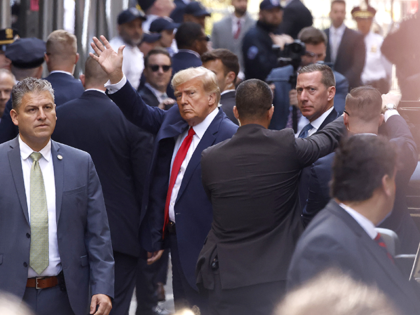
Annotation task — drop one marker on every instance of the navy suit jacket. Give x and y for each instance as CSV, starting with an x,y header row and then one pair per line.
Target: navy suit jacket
x,y
228,101
121,153
335,240
399,221
84,241
193,210
280,78
148,97
296,17
65,89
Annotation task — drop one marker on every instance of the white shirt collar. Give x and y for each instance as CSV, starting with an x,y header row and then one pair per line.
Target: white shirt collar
x,y
365,223
97,90
340,30
201,128
318,122
60,71
190,51
227,91
26,151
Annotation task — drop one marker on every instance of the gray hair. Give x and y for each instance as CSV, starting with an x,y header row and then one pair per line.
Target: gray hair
x,y
29,85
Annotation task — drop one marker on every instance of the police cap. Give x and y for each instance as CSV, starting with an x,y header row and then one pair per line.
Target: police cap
x,y
26,53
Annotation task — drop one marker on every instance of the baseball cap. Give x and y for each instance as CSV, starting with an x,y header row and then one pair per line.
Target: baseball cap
x,y
270,4
129,15
196,8
162,24
150,38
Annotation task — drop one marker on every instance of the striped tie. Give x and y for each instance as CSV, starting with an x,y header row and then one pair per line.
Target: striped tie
x,y
379,240
39,256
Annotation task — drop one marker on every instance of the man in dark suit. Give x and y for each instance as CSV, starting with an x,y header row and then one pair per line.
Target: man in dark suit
x,y
93,123
286,114
363,114
252,181
296,17
343,235
229,32
158,73
61,57
346,48
54,233
225,65
177,206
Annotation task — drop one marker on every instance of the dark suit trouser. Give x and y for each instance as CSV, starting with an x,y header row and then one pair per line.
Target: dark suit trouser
x,y
48,301
125,280
184,294
259,299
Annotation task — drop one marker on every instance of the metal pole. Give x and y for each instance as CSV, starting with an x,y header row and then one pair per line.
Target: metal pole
x,y
5,14
46,13
58,22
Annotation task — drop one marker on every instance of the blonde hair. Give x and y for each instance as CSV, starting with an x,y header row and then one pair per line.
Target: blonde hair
x,y
60,46
207,77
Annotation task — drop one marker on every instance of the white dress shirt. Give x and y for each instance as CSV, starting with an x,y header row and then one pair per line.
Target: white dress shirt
x,y
303,121
366,224
161,96
336,34
133,61
47,169
376,66
199,129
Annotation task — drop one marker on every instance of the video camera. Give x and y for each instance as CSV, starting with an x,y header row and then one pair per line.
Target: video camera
x,y
291,54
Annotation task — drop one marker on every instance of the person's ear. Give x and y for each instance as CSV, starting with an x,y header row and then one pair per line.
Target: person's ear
x,y
388,184
82,79
346,120
331,93
230,78
212,99
77,58
46,58
14,116
270,113
235,112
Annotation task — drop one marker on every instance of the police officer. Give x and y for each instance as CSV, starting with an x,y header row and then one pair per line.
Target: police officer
x,y
7,36
378,70
259,57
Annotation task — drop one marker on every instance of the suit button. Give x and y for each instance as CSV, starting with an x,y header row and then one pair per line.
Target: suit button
x,y
28,235
25,264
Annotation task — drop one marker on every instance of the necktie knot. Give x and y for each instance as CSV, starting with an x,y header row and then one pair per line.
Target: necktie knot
x,y
35,156
305,131
191,132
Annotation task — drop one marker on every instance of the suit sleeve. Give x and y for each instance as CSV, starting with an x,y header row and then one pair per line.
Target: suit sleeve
x,y
136,110
204,172
215,37
98,238
359,56
8,130
321,254
320,144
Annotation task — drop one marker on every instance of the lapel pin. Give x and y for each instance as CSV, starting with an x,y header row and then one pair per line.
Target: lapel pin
x,y
60,157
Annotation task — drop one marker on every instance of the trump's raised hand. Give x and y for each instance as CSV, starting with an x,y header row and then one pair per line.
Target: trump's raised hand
x,y
110,61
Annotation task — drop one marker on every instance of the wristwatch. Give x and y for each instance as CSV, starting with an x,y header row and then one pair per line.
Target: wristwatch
x,y
390,106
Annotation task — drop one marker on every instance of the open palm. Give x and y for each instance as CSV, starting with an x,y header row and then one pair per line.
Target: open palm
x,y
110,61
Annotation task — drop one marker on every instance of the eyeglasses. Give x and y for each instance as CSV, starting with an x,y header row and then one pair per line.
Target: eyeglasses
x,y
155,68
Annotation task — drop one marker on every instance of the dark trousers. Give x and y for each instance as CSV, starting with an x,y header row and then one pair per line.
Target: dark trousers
x,y
48,301
184,294
125,280
259,299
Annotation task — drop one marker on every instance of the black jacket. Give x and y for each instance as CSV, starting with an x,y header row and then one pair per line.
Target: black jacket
x,y
296,16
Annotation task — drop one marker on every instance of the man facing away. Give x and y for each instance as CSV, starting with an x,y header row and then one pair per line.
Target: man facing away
x,y
54,236
7,81
343,235
177,206
251,180
346,48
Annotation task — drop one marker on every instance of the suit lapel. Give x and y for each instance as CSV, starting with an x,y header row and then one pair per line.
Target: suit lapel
x,y
208,139
342,48
16,168
58,176
332,116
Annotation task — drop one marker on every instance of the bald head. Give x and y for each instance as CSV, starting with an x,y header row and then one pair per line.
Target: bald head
x,y
94,76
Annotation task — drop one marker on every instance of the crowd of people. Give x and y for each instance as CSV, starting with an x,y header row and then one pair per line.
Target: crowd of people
x,y
260,161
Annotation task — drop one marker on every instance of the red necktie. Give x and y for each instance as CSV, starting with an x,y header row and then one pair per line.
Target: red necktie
x,y
378,239
238,30
176,166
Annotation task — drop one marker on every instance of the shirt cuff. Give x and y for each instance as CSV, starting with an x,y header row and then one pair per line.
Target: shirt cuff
x,y
389,113
113,88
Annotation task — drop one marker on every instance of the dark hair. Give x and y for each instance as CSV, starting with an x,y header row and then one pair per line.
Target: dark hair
x,y
364,102
187,33
328,78
94,74
312,36
338,1
156,51
359,165
229,60
253,99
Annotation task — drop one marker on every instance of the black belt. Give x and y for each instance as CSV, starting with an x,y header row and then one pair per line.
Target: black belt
x,y
171,227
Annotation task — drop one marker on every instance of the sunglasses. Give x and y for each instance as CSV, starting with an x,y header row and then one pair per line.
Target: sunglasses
x,y
206,38
155,68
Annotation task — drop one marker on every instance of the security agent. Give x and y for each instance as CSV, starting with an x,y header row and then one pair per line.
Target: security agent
x,y
7,36
27,57
165,27
196,12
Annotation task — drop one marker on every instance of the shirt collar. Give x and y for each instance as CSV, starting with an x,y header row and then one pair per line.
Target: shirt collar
x,y
235,18
364,222
201,128
190,51
157,93
318,122
60,71
97,90
26,151
340,29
